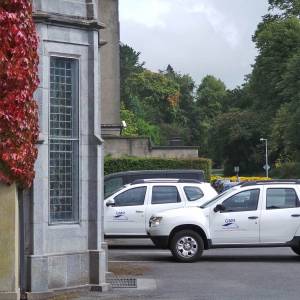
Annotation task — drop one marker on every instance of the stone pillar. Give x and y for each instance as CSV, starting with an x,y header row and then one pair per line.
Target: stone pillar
x,y
9,243
110,67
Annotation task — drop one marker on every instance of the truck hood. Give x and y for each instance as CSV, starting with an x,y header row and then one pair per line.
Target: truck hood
x,y
183,211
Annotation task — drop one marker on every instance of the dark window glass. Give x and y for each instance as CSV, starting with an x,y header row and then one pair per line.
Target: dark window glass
x,y
132,197
193,193
281,198
112,185
243,201
165,194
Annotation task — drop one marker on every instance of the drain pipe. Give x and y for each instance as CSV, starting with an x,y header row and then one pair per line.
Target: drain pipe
x,y
22,246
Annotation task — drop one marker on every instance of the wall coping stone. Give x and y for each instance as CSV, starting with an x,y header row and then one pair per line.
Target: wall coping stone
x,y
151,146
67,21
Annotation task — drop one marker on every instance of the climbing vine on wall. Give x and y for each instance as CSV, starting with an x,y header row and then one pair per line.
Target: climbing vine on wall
x,y
18,81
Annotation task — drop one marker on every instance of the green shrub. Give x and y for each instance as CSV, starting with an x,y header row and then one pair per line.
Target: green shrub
x,y
113,165
286,170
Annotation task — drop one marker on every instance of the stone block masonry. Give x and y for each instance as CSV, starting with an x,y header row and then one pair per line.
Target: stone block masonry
x,y
9,243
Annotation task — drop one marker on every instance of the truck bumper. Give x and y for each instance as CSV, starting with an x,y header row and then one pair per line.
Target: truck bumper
x,y
161,242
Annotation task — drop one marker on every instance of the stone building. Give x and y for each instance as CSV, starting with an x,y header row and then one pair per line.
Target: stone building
x,y
64,245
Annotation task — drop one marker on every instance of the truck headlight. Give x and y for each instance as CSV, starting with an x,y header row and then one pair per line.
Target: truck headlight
x,y
154,221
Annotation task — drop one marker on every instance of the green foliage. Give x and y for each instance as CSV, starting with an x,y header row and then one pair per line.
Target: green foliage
x,y
210,99
131,122
112,165
235,139
129,64
287,7
286,170
157,94
277,41
227,124
139,127
210,95
156,100
185,113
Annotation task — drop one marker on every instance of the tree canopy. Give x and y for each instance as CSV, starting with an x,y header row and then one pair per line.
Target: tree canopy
x,y
227,124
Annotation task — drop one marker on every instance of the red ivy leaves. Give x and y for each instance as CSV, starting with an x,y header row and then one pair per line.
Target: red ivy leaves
x,y
18,81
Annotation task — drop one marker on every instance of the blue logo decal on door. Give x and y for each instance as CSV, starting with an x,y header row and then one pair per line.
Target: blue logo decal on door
x,y
230,224
120,215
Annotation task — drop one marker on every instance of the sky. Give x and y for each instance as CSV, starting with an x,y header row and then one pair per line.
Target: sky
x,y
196,37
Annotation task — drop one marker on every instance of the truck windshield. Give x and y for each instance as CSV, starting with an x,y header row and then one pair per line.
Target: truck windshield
x,y
115,191
215,199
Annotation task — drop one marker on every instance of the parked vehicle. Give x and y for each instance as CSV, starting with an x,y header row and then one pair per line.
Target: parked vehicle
x,y
252,214
127,212
221,185
113,182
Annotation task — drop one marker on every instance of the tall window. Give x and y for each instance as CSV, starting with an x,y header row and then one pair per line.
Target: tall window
x,y
63,140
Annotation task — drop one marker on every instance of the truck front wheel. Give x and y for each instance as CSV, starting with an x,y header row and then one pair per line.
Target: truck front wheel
x,y
186,246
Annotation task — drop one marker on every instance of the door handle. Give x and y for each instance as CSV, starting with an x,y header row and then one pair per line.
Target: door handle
x,y
295,215
139,211
253,218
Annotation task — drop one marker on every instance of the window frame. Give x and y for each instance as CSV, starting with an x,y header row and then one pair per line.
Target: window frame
x,y
281,188
195,187
75,138
130,189
162,186
250,190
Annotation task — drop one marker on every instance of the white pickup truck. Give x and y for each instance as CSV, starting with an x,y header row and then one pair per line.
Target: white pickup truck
x,y
127,211
257,214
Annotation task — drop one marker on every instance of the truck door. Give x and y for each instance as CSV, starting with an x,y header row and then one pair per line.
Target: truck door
x,y
280,217
239,222
127,216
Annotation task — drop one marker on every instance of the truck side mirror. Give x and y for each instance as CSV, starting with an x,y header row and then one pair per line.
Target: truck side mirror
x,y
110,202
219,207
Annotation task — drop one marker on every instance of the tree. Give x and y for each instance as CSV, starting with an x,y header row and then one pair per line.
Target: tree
x,y
186,104
157,96
277,42
129,66
287,7
210,100
18,81
139,127
235,139
210,96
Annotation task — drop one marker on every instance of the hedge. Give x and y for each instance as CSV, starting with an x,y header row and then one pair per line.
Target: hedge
x,y
286,170
113,165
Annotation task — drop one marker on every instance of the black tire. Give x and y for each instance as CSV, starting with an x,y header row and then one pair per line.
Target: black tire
x,y
296,250
186,246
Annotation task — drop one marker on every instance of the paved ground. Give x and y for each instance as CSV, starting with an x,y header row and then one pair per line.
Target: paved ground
x,y
270,273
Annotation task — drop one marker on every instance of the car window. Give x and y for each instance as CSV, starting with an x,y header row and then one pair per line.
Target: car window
x,y
134,196
112,185
243,201
193,193
281,198
165,194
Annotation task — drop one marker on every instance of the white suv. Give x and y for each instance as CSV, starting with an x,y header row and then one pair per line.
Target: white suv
x,y
127,212
252,214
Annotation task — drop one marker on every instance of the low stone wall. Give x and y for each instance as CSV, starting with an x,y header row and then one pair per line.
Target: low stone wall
x,y
141,147
9,242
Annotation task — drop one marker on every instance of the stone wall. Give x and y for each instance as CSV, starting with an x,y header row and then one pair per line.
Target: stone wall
x,y
67,7
9,243
141,147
